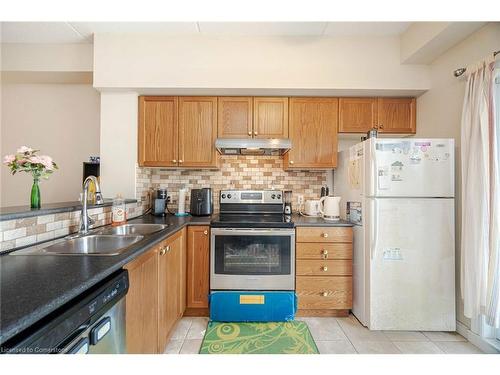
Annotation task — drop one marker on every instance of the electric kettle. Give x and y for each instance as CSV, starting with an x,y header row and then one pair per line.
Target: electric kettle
x,y
329,208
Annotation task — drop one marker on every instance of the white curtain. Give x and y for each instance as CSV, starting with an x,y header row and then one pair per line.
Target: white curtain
x,y
480,140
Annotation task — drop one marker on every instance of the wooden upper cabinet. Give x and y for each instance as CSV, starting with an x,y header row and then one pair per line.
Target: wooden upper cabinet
x,y
313,132
158,137
197,131
270,117
357,115
234,119
198,266
397,115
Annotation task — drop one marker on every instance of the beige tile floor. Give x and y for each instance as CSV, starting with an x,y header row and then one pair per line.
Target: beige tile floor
x,y
341,336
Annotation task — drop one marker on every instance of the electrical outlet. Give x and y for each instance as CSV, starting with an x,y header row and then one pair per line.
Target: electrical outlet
x,y
300,199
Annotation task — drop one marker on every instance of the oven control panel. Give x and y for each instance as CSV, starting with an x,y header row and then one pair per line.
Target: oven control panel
x,y
251,196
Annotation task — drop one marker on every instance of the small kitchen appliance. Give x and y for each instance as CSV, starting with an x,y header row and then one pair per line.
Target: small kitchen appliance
x,y
201,202
311,208
287,196
160,202
181,204
329,208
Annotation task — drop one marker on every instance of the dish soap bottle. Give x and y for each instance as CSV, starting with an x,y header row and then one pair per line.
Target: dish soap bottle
x,y
119,213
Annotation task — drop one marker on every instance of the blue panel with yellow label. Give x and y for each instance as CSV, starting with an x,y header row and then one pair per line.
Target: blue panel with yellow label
x,y
265,306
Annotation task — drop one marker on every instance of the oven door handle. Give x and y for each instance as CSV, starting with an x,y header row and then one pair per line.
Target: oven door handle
x,y
251,232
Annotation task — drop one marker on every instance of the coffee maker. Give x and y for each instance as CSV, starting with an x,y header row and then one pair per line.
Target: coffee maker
x,y
159,203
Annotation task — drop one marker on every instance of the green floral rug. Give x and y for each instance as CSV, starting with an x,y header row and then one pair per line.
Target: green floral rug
x,y
258,338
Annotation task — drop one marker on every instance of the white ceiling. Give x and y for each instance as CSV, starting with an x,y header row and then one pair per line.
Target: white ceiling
x,y
82,32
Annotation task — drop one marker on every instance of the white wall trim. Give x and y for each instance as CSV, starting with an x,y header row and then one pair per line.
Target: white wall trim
x,y
486,345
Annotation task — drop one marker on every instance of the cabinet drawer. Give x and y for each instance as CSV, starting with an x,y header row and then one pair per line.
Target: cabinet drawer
x,y
324,234
324,267
315,292
315,250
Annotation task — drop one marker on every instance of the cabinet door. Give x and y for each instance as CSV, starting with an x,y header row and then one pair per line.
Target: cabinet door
x,y
313,132
170,286
197,131
158,136
142,304
357,115
397,115
198,246
270,118
234,119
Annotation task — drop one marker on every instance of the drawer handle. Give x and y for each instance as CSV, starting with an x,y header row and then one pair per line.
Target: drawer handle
x,y
325,254
325,235
205,232
324,294
324,268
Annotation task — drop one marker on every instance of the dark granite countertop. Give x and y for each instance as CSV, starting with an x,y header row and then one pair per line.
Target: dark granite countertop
x,y
19,212
305,221
33,286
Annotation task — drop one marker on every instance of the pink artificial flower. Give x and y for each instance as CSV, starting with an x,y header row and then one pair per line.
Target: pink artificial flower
x,y
9,159
24,149
46,161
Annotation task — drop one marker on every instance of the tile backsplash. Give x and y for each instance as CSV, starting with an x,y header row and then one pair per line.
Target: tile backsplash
x,y
236,172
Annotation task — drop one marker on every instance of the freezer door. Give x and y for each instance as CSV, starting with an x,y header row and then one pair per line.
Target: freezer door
x,y
402,167
412,264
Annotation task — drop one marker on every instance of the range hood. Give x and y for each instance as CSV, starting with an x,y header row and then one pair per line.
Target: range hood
x,y
251,146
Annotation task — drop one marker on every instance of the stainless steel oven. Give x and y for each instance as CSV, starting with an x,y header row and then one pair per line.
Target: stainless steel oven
x,y
252,259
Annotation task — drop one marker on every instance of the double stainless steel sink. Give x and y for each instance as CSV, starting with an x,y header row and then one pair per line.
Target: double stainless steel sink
x,y
103,241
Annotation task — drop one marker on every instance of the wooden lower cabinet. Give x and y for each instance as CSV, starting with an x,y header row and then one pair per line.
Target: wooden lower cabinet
x,y
157,295
324,271
198,269
171,286
318,292
142,304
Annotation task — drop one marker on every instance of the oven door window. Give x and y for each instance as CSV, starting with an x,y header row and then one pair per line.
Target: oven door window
x,y
252,255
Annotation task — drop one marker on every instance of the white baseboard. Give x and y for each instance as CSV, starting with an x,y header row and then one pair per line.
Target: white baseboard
x,y
486,345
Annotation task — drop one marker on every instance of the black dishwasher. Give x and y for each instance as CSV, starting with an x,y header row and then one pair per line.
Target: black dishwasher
x,y
92,323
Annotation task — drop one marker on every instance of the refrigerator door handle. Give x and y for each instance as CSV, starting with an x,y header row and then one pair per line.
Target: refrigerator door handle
x,y
374,237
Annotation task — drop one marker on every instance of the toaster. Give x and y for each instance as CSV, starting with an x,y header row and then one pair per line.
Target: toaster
x,y
201,202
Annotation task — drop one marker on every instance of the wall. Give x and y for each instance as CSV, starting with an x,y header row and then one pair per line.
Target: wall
x,y
236,172
123,61
118,144
439,110
60,120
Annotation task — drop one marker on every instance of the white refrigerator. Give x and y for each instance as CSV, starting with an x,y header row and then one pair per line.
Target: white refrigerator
x,y
399,193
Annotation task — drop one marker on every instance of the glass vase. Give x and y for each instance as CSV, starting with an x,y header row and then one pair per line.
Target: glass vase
x,y
35,194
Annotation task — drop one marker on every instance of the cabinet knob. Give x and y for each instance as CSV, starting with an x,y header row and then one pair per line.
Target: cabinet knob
x,y
381,126
249,133
324,268
255,133
325,254
325,235
324,294
291,161
163,251
181,161
167,249
174,161
205,232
